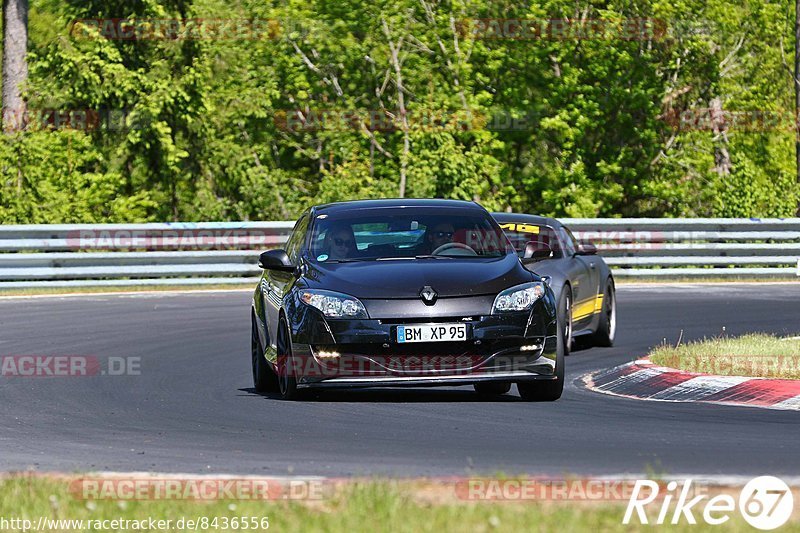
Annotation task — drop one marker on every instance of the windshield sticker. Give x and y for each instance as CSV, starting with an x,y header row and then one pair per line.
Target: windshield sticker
x,y
523,228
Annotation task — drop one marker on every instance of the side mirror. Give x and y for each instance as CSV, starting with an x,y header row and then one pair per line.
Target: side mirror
x,y
587,248
536,251
275,260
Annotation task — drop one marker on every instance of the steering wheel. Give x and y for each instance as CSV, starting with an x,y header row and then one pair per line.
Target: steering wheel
x,y
463,249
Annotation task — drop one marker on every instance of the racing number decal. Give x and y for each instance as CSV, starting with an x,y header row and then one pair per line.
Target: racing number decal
x,y
523,228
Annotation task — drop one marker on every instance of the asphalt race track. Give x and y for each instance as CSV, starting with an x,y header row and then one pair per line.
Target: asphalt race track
x,y
192,408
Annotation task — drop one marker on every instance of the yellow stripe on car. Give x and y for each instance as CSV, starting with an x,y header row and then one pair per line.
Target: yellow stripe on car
x,y
587,307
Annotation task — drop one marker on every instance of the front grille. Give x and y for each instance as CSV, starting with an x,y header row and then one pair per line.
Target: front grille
x,y
431,349
431,320
424,358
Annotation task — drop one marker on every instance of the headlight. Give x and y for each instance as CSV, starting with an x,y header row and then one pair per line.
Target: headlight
x,y
519,298
334,304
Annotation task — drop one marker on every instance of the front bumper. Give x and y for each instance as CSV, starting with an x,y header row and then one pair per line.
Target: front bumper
x,y
424,381
365,353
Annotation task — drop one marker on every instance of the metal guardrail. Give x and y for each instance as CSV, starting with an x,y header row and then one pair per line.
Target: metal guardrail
x,y
716,247
227,252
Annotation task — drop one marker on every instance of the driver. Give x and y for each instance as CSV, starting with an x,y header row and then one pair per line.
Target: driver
x,y
340,243
439,235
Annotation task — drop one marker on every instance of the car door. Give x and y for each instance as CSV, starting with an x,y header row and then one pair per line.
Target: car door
x,y
276,283
584,280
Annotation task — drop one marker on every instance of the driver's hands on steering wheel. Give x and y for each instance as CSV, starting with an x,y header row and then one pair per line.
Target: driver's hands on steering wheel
x,y
463,249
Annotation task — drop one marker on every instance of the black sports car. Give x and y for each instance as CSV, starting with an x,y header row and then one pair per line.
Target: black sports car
x,y
403,292
581,280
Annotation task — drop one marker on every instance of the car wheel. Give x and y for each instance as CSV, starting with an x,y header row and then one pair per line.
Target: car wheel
x,y
607,327
264,379
550,390
287,382
565,311
494,388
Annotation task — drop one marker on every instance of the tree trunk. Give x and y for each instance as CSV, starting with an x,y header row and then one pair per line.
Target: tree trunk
x,y
796,85
722,159
15,66
394,49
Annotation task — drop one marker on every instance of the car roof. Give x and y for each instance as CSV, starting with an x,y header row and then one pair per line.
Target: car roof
x,y
528,219
394,202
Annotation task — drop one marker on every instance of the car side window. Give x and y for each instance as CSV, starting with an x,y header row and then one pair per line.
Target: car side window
x,y
520,234
570,246
572,238
295,242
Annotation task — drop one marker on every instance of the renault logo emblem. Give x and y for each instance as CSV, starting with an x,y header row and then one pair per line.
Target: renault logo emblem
x,y
428,295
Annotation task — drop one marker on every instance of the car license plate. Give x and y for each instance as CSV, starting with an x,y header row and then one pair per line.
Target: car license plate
x,y
432,333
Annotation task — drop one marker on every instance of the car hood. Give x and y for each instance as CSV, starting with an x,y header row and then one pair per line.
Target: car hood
x,y
406,278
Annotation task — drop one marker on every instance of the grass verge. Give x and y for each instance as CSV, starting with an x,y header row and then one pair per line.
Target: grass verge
x,y
371,505
632,280
59,291
755,355
40,291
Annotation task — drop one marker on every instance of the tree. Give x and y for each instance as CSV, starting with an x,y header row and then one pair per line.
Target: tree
x,y
796,85
15,66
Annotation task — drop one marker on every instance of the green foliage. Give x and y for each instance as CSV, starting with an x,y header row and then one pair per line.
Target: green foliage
x,y
309,110
52,178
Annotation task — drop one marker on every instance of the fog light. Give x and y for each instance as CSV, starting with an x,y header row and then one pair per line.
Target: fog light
x,y
529,348
327,355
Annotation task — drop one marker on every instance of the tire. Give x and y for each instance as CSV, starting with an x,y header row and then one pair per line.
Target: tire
x,y
607,326
550,390
565,312
492,388
287,382
264,379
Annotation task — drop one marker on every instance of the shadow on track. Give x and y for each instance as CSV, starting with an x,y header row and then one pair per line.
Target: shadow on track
x,y
385,395
580,344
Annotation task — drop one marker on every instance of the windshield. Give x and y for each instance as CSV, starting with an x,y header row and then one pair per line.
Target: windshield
x,y
406,233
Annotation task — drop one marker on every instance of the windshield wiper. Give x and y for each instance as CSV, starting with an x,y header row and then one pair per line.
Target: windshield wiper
x,y
457,256
351,260
410,258
402,258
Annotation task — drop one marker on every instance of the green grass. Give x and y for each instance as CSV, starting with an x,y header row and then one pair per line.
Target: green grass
x,y
755,355
122,288
359,506
238,286
623,280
